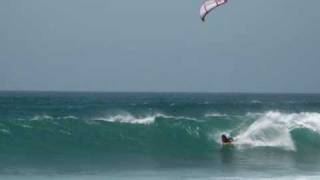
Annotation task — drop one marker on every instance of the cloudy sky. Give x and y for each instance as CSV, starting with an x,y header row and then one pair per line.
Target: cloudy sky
x,y
149,45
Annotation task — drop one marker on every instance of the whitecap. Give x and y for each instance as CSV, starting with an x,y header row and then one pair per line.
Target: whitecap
x,y
65,132
5,131
25,126
128,118
69,117
256,102
178,117
145,119
214,114
41,117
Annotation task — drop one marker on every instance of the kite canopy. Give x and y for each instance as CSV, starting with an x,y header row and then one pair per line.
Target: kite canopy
x,y
208,6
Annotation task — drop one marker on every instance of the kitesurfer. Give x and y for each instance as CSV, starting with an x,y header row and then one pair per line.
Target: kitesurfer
x,y
226,139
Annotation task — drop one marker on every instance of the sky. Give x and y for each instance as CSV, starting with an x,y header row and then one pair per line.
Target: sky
x,y
160,46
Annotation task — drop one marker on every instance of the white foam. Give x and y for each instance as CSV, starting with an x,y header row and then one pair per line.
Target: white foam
x,y
178,117
41,117
5,131
128,118
215,115
272,129
65,132
47,117
68,117
147,119
25,126
255,102
206,102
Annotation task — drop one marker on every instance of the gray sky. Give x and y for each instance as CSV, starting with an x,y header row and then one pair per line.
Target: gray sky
x,y
149,45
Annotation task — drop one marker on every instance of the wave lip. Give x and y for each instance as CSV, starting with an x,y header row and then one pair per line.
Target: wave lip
x,y
305,120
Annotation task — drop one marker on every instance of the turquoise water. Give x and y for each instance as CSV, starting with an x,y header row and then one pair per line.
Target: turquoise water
x,y
65,135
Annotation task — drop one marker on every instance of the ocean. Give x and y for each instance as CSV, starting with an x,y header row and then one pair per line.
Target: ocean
x,y
92,135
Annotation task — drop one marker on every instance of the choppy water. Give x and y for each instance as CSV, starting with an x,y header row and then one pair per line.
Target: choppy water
x,y
158,135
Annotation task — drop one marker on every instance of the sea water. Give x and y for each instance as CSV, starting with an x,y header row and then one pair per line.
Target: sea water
x,y
87,135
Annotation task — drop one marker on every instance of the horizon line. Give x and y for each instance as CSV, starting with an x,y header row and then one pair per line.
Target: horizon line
x,y
157,92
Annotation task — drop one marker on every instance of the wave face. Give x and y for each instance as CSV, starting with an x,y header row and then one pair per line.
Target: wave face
x,y
157,124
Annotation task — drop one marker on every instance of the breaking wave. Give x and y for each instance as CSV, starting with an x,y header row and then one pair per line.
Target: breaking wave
x,y
144,119
47,117
275,129
162,133
129,118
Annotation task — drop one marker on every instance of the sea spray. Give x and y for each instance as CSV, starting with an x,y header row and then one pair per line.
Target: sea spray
x,y
266,131
273,129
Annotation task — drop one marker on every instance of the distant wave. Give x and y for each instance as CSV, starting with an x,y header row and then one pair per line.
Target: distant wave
x,y
256,102
47,117
129,118
146,119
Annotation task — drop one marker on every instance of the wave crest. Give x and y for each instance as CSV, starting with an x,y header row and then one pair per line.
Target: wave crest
x,y
208,115
146,119
129,118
